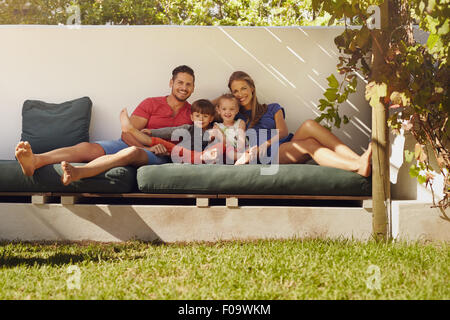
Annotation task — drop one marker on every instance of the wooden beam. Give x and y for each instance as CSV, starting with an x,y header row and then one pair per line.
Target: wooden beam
x,y
291,197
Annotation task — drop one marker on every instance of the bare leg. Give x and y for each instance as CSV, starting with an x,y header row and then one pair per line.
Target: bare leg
x,y
297,151
81,152
311,129
127,127
130,156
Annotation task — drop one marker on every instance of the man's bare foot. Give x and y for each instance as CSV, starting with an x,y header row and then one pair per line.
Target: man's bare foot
x,y
365,166
69,173
125,121
26,158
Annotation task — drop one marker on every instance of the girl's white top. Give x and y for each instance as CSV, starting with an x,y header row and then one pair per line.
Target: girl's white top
x,y
231,133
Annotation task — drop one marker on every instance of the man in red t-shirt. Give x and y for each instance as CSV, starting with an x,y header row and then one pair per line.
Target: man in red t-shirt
x,y
152,113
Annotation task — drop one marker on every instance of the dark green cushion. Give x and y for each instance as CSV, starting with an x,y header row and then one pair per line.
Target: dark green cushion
x,y
48,126
48,179
295,179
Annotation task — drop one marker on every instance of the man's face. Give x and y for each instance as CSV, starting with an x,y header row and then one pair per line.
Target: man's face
x,y
182,86
201,120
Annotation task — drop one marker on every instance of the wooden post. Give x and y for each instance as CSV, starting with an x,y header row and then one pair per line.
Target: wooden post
x,y
381,193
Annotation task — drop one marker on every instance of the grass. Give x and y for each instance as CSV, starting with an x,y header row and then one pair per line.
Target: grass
x,y
266,269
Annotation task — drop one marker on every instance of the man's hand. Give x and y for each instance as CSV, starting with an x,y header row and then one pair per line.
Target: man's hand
x,y
159,150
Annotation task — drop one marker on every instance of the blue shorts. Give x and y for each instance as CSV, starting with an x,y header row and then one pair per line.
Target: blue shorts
x,y
114,146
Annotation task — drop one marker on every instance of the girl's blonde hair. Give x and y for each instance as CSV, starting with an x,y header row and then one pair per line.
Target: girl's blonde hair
x,y
257,109
225,96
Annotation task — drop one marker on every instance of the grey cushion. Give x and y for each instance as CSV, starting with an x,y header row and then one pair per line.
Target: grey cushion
x,y
295,179
48,126
48,179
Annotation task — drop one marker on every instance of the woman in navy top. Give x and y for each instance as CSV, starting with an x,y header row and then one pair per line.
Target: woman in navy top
x,y
311,140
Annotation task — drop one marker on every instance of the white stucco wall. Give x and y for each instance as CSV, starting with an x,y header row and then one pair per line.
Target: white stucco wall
x,y
120,66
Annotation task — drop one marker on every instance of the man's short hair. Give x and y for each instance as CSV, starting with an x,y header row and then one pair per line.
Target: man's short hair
x,y
184,69
203,106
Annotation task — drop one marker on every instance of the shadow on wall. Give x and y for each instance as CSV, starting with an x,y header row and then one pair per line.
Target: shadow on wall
x,y
122,222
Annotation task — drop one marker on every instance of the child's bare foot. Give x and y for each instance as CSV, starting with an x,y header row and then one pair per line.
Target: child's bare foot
x,y
26,158
365,167
69,173
209,155
125,121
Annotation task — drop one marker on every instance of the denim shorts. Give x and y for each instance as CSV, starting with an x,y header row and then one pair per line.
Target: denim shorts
x,y
114,146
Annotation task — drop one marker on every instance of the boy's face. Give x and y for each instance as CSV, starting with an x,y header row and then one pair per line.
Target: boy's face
x,y
201,120
228,109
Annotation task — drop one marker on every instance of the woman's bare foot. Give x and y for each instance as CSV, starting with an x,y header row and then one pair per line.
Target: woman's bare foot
x,y
125,121
365,166
26,158
69,173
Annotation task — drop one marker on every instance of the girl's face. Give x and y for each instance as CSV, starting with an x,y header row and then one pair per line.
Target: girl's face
x,y
227,110
243,92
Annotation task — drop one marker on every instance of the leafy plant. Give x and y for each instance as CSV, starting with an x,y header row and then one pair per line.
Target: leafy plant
x,y
163,12
412,79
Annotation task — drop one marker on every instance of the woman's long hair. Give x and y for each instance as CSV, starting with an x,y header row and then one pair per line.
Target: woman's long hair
x,y
257,109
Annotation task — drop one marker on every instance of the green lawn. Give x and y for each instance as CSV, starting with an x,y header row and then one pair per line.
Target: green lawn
x,y
269,269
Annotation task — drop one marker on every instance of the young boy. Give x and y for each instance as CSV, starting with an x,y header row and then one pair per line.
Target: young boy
x,y
193,151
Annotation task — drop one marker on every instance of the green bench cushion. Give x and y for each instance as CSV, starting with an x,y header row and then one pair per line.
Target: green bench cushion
x,y
296,179
47,179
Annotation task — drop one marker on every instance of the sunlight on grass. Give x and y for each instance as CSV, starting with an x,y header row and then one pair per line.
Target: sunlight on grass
x,y
269,269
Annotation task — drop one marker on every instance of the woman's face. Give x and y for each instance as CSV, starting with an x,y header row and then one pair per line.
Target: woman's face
x,y
243,92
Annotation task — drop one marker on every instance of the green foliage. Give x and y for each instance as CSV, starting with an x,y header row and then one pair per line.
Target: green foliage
x,y
164,12
411,78
334,97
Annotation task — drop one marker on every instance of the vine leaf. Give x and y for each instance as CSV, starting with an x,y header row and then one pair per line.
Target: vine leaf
x,y
332,82
375,91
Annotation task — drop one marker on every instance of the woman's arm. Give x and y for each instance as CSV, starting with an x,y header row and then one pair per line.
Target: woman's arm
x,y
281,126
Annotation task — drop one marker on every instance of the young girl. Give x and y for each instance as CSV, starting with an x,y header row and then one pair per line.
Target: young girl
x,y
231,132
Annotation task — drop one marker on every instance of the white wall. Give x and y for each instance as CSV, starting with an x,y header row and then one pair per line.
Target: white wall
x,y
120,66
